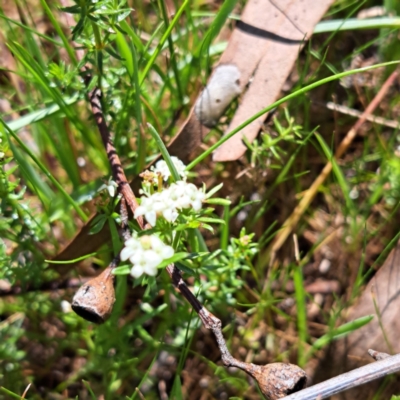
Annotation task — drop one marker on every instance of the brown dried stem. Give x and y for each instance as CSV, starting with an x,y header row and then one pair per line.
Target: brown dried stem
x,y
115,162
377,355
357,377
275,380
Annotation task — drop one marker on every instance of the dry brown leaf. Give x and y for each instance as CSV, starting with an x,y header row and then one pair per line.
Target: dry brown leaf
x,y
289,24
384,290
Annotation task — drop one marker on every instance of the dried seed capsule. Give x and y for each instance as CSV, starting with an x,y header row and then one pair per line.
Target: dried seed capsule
x,y
95,299
278,380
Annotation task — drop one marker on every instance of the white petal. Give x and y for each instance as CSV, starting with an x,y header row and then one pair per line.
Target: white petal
x,y
158,206
156,243
138,258
126,253
196,205
200,195
151,217
111,190
152,271
132,243
136,271
170,214
141,210
152,258
167,252
183,202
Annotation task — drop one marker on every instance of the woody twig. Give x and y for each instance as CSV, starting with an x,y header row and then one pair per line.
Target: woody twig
x,y
115,162
385,365
275,380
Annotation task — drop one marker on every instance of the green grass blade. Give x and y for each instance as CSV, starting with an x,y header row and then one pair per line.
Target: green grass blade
x,y
29,29
10,393
172,53
338,174
220,19
146,51
341,331
33,179
87,386
37,116
44,84
75,260
225,228
164,153
162,41
330,25
47,173
133,397
303,90
355,23
134,37
57,27
125,52
301,313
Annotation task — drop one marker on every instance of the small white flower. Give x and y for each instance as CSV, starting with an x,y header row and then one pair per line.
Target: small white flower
x,y
131,247
170,214
160,248
137,258
146,254
180,195
161,167
197,200
137,271
111,187
152,258
146,208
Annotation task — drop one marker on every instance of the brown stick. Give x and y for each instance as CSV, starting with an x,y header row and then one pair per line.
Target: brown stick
x,y
115,162
357,377
275,380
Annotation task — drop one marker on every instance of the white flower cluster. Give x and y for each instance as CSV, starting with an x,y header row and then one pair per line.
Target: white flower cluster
x,y
145,253
178,196
161,168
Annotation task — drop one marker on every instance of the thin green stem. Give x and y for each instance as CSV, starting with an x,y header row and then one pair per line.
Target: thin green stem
x,y
172,53
162,41
57,27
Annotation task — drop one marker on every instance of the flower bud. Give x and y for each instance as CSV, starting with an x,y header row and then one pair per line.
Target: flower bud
x,y
95,299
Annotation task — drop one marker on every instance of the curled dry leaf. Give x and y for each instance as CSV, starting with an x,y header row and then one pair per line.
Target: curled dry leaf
x,y
95,299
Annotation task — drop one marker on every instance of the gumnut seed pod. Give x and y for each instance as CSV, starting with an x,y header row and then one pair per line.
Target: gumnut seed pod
x,y
95,299
277,380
